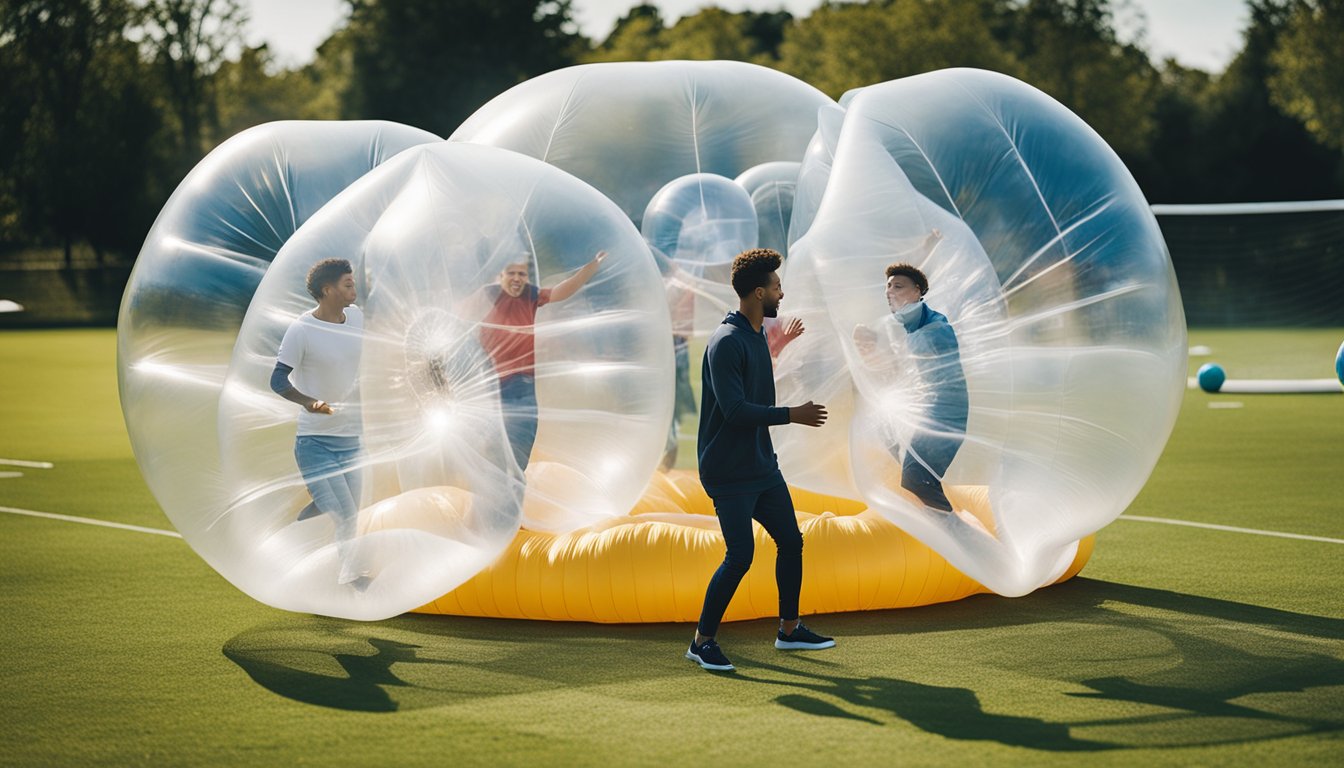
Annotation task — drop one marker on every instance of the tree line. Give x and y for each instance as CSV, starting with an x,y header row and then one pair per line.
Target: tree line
x,y
107,104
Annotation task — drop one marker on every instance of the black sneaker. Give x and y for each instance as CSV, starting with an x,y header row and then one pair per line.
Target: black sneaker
x,y
709,655
802,639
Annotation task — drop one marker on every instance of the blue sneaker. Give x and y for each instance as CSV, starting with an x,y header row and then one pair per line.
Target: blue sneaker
x,y
802,639
709,655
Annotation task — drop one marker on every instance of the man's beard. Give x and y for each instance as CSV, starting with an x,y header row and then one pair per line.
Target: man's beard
x,y
771,310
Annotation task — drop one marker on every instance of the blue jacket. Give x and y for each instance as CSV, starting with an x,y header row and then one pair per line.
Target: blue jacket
x,y
737,409
937,355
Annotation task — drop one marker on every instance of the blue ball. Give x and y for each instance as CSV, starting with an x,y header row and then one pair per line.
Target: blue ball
x,y
1211,377
1339,363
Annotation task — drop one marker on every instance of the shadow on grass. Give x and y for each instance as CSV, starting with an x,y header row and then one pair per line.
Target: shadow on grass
x,y
1135,667
951,712
439,660
1200,671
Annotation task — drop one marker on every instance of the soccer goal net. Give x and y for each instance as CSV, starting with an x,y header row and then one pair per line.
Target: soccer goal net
x,y
1258,264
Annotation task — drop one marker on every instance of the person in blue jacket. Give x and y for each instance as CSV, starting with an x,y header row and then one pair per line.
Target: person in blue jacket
x,y
932,347
738,467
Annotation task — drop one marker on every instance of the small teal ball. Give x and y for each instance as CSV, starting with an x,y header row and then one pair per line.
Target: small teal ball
x,y
1211,377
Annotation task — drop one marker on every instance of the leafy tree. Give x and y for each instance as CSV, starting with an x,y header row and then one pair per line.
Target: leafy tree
x,y
1175,170
251,91
710,34
637,36
844,46
1069,49
1256,151
431,64
188,41
1309,59
75,113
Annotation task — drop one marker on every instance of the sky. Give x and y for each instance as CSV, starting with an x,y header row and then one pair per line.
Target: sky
x,y
1197,33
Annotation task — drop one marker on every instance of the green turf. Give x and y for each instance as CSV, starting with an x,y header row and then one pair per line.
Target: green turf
x,y
1177,646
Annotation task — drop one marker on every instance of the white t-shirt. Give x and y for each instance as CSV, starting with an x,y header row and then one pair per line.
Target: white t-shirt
x,y
325,359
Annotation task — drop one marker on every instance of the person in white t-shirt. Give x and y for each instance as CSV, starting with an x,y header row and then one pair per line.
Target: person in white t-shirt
x,y
317,367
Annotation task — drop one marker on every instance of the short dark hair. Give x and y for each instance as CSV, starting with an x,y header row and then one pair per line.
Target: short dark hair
x,y
912,272
752,268
326,272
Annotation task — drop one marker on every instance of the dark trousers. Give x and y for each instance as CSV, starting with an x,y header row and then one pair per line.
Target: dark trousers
x,y
926,461
773,509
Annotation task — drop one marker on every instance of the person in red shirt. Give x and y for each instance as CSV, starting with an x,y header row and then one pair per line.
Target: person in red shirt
x,y
508,337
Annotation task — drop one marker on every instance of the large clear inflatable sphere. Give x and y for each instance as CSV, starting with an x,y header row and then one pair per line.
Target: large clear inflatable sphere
x,y
813,367
771,186
698,224
629,128
435,238
814,172
194,278
1022,404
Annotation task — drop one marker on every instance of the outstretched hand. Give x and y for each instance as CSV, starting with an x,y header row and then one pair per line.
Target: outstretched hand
x,y
808,414
792,329
600,257
865,339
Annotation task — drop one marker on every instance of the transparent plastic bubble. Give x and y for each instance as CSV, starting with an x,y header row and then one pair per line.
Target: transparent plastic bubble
x,y
629,128
771,186
814,172
699,223
1051,389
430,236
192,283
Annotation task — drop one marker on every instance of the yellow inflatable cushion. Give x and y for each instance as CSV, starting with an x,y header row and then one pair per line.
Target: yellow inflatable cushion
x,y
654,565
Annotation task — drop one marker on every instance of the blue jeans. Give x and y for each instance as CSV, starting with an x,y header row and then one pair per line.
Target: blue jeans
x,y
518,399
773,509
331,469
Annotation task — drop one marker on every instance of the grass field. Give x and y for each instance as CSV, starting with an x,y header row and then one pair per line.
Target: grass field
x,y
1176,646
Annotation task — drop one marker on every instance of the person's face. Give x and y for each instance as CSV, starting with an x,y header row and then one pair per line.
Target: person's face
x,y
513,279
901,290
773,294
343,289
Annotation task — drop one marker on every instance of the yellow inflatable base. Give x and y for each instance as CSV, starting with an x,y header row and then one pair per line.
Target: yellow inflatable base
x,y
654,565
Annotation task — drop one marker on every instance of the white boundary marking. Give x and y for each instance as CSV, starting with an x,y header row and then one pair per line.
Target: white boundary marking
x,y
90,521
29,464
1232,529
1139,518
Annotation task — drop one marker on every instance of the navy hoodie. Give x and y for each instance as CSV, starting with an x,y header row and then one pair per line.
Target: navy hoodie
x,y
737,409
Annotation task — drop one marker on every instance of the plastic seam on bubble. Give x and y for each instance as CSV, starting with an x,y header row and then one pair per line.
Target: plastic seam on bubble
x,y
1021,161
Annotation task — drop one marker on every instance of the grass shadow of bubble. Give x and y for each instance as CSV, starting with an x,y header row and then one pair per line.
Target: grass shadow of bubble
x,y
951,712
416,662
1203,672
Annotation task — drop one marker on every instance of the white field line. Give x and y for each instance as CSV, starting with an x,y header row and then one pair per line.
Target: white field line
x,y
29,464
90,521
1232,529
1138,518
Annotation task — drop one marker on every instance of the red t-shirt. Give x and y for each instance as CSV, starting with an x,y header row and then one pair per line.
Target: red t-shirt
x,y
507,330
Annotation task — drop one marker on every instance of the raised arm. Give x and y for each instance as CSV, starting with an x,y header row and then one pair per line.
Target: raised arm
x,y
571,285
781,334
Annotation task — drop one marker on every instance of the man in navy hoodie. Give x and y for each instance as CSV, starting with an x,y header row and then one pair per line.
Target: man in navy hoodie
x,y
738,467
